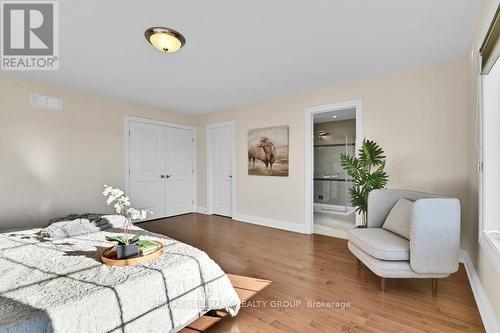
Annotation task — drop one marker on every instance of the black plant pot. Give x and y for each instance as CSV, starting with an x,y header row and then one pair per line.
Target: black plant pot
x,y
126,251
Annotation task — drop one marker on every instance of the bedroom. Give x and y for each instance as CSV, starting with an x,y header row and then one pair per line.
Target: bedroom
x,y
178,133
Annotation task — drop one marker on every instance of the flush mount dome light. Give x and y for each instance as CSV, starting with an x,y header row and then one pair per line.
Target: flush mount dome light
x,y
165,39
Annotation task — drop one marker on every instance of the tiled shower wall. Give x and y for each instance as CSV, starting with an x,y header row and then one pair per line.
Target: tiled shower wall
x,y
330,186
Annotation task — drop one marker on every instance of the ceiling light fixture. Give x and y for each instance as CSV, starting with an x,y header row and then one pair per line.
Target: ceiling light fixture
x,y
335,116
165,39
321,133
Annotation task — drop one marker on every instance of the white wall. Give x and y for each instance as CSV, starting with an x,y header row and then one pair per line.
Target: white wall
x,y
418,116
54,163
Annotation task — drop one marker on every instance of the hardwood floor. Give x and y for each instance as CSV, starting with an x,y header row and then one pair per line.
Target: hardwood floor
x,y
320,269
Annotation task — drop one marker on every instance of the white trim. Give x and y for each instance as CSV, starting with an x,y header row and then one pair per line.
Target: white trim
x,y
309,153
271,223
126,155
195,165
202,210
333,209
491,251
329,231
209,166
157,122
483,304
126,129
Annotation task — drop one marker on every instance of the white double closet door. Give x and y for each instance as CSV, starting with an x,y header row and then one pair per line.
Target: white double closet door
x,y
161,175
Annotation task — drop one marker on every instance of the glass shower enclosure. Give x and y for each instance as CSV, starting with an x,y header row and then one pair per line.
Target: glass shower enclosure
x,y
331,182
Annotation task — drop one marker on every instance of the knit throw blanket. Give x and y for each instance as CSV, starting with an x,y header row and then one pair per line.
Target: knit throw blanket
x,y
76,225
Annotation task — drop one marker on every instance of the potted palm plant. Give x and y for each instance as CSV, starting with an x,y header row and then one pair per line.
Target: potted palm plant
x,y
367,172
126,246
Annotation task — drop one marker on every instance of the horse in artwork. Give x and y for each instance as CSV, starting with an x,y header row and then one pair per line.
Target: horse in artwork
x,y
264,151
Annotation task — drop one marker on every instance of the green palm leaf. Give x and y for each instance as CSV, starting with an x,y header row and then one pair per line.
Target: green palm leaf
x,y
134,239
371,156
119,239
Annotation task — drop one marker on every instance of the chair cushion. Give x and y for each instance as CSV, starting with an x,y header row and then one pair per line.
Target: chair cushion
x,y
398,220
380,243
390,268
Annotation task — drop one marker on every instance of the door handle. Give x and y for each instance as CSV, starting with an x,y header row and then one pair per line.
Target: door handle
x,y
168,176
162,176
230,176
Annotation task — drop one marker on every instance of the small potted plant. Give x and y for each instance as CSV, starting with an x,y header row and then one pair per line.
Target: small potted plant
x,y
126,246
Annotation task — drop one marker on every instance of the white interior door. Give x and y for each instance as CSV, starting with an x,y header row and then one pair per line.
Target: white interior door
x,y
161,169
222,169
179,168
146,165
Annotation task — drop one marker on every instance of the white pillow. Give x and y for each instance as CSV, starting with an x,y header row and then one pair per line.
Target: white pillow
x,y
398,220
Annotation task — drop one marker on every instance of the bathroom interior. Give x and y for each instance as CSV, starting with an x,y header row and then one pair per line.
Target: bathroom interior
x,y
334,134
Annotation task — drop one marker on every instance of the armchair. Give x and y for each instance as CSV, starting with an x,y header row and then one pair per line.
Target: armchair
x,y
432,250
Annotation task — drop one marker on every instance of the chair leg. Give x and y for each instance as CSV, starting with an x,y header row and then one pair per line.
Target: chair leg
x,y
382,283
434,286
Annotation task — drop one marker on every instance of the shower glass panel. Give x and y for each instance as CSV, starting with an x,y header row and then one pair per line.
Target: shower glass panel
x,y
331,183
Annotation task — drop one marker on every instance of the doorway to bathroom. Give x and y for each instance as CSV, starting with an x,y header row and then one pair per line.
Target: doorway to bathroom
x,y
334,129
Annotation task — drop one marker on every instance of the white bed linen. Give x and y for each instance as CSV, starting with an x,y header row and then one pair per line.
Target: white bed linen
x,y
61,286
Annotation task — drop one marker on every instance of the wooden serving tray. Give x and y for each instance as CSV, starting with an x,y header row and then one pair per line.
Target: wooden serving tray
x,y
108,257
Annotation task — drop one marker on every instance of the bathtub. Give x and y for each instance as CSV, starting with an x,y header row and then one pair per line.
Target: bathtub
x,y
334,209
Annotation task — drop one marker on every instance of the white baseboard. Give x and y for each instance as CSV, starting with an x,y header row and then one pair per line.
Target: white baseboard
x,y
271,223
202,210
483,304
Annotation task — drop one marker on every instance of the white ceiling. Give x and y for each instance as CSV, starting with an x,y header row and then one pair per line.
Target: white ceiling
x,y
239,52
344,114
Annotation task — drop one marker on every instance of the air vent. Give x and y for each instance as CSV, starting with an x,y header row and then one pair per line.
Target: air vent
x,y
46,102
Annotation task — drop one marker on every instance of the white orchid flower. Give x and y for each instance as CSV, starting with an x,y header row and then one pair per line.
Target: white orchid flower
x,y
115,194
124,201
121,202
118,208
110,199
134,213
107,190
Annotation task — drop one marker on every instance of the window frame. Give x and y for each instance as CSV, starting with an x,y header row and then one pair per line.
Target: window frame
x,y
485,242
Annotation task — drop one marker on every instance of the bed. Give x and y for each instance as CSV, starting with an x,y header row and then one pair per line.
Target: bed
x,y
60,285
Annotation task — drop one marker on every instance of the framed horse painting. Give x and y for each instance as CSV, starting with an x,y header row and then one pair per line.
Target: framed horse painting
x,y
268,151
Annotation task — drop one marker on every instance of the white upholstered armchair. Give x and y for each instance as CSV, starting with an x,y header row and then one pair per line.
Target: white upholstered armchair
x,y
430,247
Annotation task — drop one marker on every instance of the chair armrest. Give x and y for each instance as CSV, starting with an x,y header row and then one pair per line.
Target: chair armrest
x,y
435,235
